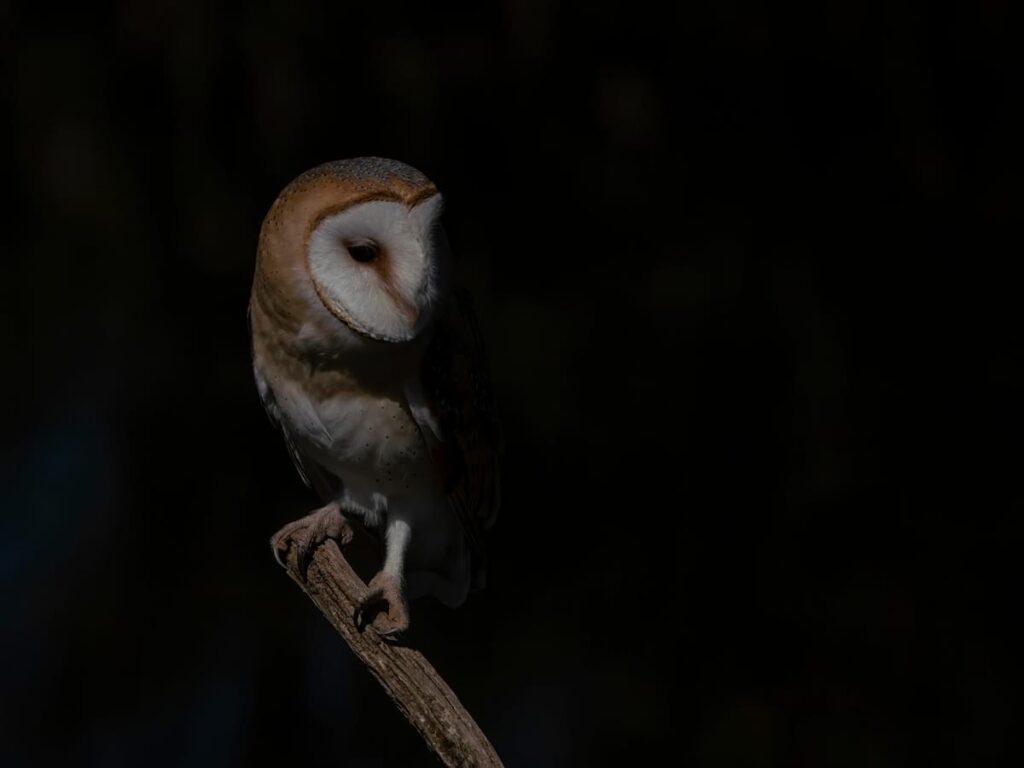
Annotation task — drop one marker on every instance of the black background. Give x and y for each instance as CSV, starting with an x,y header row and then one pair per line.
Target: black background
x,y
743,273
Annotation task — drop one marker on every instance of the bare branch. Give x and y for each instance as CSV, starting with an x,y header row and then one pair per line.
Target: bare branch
x,y
408,678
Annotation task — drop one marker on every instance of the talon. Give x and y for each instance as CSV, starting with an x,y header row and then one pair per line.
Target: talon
x,y
383,607
304,555
307,533
280,542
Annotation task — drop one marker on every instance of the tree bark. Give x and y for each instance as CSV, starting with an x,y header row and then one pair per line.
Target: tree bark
x,y
413,684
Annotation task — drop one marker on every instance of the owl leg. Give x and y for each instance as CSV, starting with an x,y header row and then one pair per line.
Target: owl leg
x,y
307,533
384,606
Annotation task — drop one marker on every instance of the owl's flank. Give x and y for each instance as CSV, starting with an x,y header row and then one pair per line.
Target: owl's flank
x,y
373,369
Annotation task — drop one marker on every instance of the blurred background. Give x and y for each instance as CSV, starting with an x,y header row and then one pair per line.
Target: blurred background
x,y
739,271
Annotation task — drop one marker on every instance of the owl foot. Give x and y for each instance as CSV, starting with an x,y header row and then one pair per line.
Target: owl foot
x,y
383,607
308,533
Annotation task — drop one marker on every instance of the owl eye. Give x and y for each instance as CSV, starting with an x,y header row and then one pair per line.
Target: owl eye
x,y
364,252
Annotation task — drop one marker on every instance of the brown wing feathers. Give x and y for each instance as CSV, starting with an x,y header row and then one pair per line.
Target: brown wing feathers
x,y
458,384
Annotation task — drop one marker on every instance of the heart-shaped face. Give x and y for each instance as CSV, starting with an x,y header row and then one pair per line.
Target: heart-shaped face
x,y
374,265
356,246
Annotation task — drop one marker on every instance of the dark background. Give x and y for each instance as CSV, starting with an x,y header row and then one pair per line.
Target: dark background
x,y
741,273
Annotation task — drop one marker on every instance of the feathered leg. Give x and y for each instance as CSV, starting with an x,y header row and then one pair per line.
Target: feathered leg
x,y
384,606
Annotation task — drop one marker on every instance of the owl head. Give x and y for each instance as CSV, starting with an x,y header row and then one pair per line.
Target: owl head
x,y
358,240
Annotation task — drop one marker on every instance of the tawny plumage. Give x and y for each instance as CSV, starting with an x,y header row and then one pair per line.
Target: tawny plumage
x,y
373,368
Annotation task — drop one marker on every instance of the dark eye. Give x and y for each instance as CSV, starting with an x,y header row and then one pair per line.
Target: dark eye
x,y
364,252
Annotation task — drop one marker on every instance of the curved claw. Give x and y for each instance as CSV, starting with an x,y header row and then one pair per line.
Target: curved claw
x,y
307,533
383,607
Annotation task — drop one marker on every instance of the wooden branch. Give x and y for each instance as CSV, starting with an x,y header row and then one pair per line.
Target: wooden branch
x,y
408,678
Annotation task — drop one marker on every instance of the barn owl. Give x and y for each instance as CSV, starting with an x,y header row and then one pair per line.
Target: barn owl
x,y
372,367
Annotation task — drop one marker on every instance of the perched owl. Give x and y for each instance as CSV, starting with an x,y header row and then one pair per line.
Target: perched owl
x,y
372,367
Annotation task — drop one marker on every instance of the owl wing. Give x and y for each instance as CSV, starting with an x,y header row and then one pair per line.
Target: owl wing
x,y
313,475
461,408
